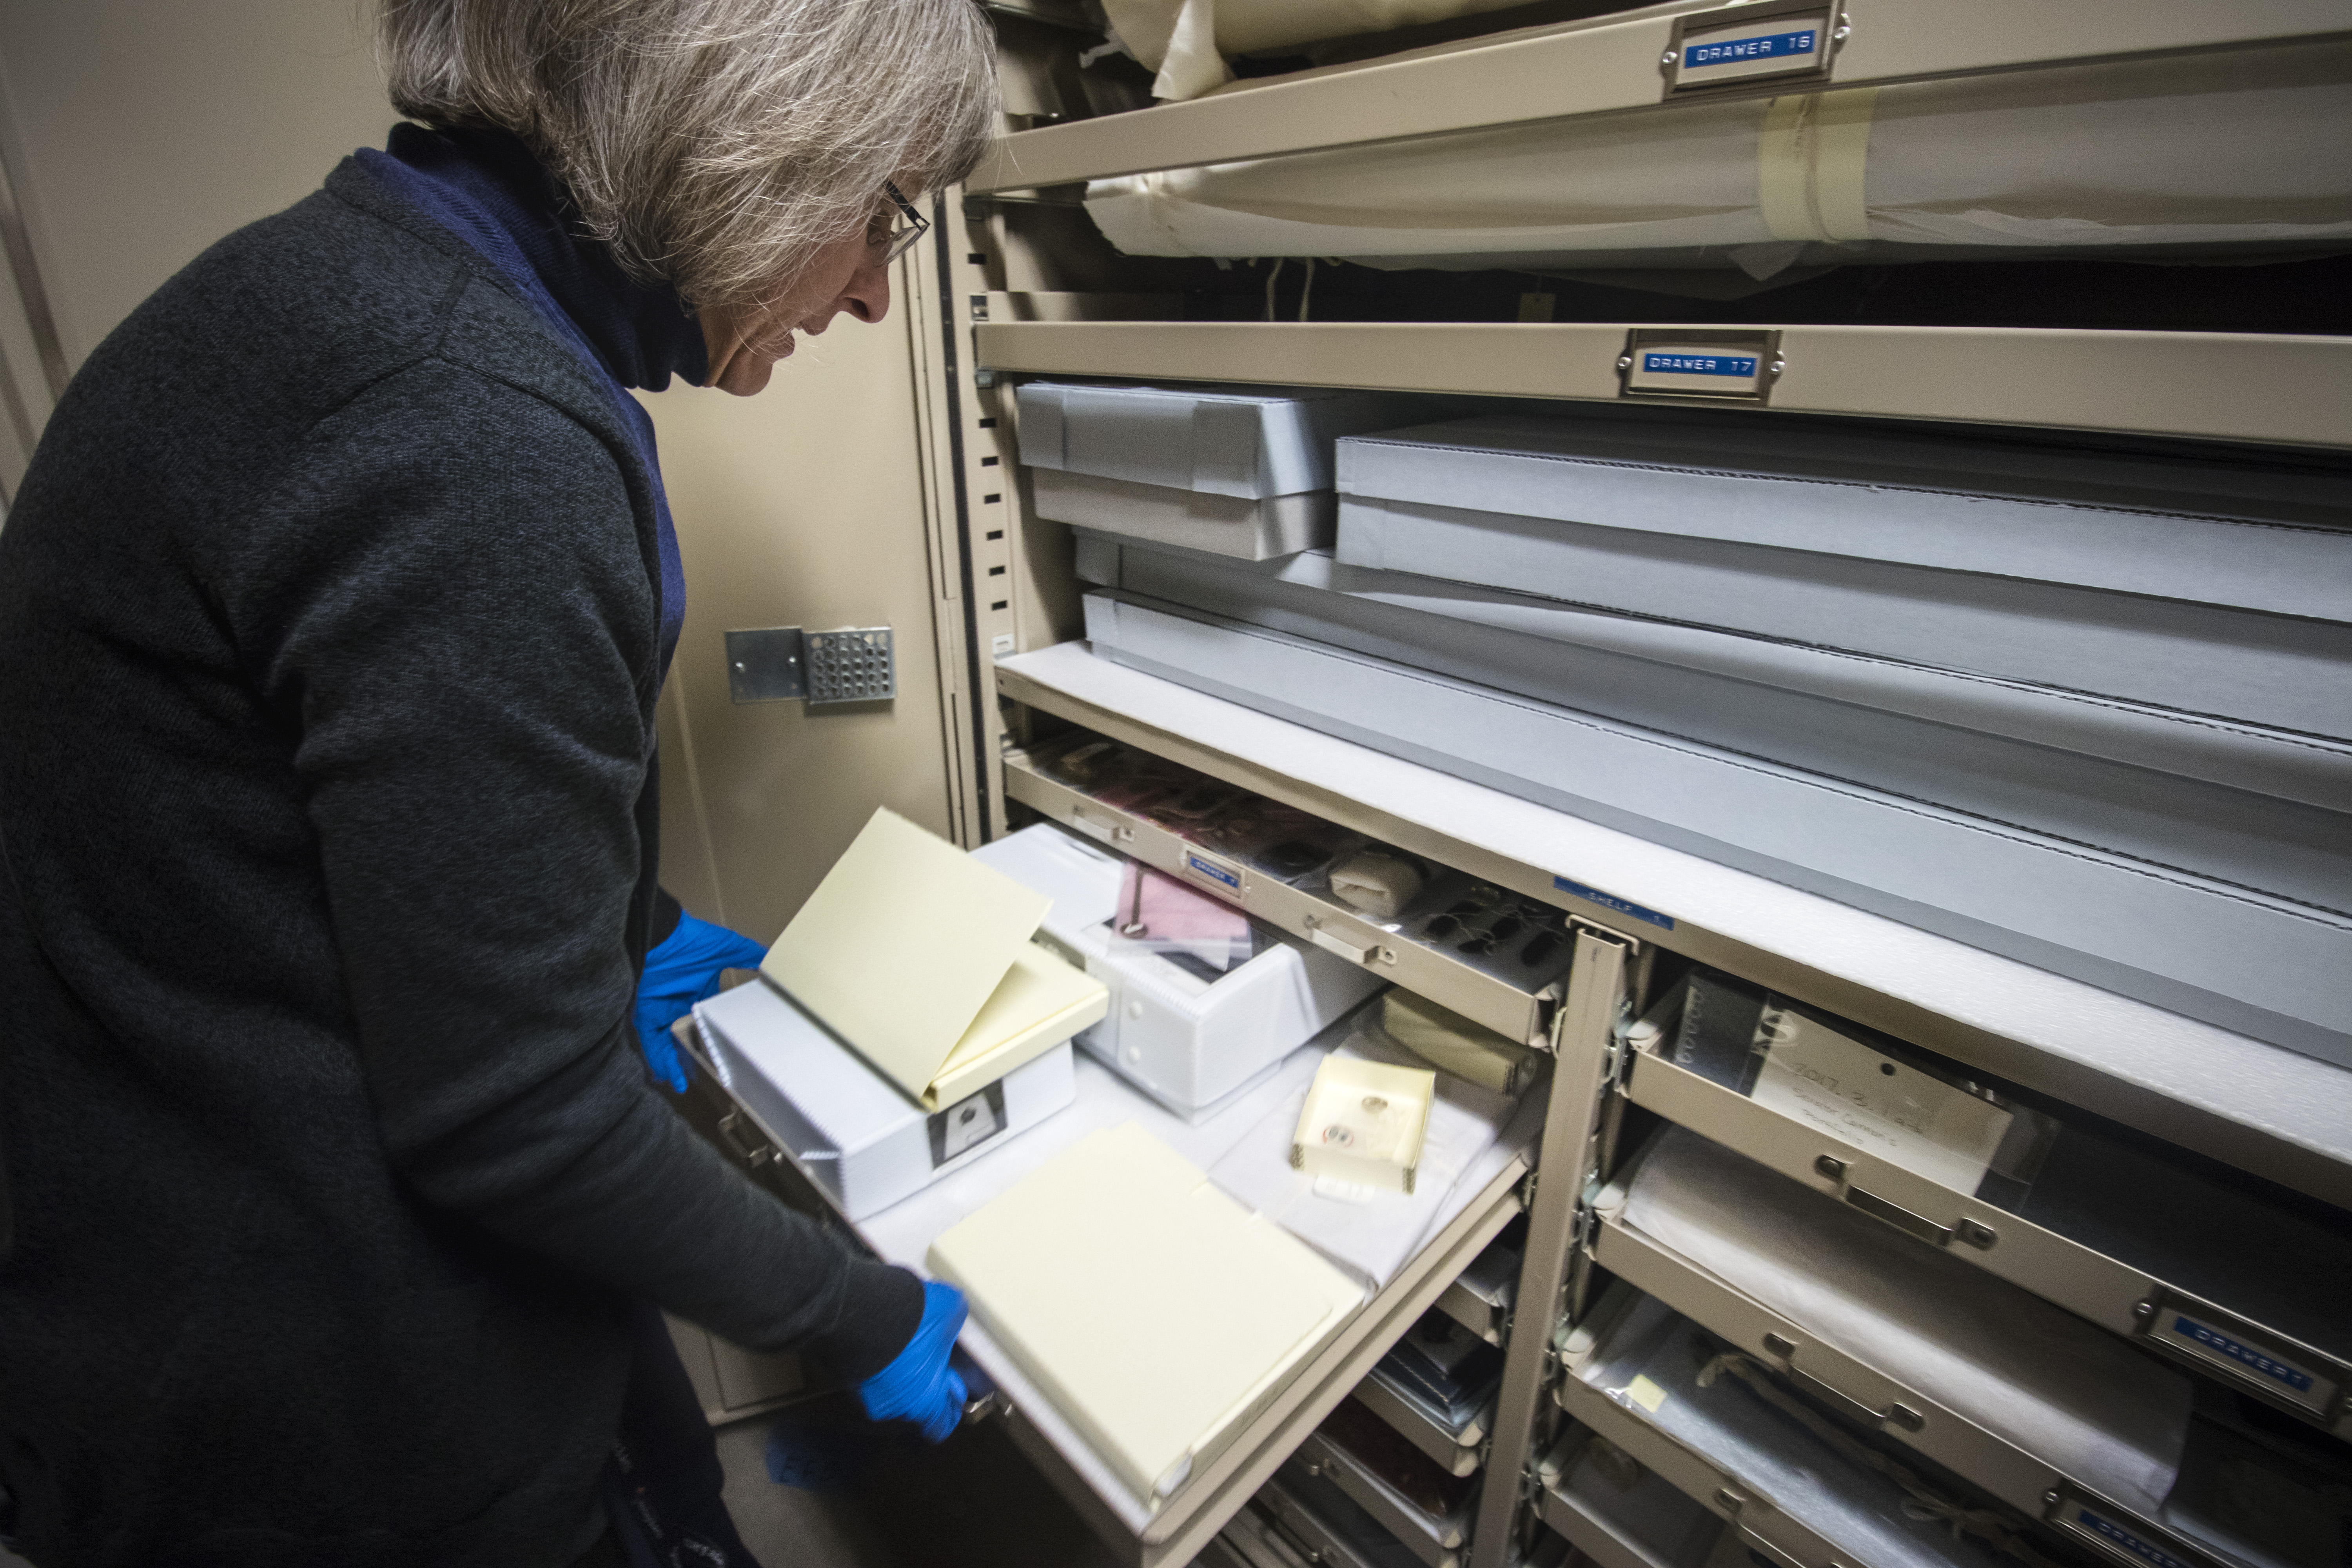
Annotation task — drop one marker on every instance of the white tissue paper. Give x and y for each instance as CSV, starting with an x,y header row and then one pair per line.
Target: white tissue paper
x,y
1472,1131
2046,1381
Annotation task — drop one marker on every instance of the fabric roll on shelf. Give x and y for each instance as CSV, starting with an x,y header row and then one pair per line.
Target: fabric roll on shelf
x,y
2215,152
1186,41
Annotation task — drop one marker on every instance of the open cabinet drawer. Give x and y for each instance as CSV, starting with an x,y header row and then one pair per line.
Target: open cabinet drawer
x,y
2244,1341
1607,1506
1486,1199
1455,1449
1643,1379
1518,1007
1481,1300
1436,1541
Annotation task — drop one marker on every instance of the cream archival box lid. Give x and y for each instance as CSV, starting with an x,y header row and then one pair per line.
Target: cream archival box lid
x,y
918,957
1158,1314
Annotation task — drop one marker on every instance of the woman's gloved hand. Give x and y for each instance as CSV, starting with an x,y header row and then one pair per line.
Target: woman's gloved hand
x,y
919,1386
680,972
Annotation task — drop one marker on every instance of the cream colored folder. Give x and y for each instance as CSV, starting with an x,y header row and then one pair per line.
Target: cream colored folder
x,y
919,956
1159,1315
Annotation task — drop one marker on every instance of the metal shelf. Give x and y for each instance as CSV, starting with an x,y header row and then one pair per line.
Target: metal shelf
x,y
1876,1398
1753,1518
1634,1528
1183,1524
2281,1116
1457,1451
2076,1277
1276,1531
1432,971
1612,65
2226,386
1436,1542
1481,1300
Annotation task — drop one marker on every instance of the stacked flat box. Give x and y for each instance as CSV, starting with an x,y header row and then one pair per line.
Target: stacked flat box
x,y
1238,471
2087,709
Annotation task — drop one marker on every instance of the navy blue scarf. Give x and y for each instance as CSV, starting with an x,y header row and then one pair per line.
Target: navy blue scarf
x,y
485,187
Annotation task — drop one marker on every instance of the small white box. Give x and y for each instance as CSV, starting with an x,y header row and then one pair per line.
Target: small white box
x,y
1191,1044
1363,1123
852,1130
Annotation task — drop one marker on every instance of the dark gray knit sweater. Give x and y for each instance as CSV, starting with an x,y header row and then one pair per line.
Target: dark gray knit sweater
x,y
328,623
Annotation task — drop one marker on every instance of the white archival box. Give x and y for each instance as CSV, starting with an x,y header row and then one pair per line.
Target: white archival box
x,y
1158,1314
1191,1044
904,1019
853,1131
1233,470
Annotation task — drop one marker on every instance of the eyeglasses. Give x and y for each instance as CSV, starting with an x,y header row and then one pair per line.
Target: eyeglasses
x,y
898,239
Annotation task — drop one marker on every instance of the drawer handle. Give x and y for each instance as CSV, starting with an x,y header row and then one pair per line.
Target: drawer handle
x,y
1779,1555
1981,1236
1895,1414
1354,952
1896,1411
755,1154
1901,1218
1298,1544
1109,832
1329,943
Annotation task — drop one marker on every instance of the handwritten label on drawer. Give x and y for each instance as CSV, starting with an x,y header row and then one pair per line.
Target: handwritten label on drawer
x,y
1816,1075
1785,43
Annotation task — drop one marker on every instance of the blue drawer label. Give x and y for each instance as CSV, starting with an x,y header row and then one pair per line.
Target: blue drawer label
x,y
1675,364
2243,1353
1217,874
1770,46
1611,901
2093,1523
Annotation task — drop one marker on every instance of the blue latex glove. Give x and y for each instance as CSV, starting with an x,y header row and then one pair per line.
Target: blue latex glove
x,y
919,1386
682,970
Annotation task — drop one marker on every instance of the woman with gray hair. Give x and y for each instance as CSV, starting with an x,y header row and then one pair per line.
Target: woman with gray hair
x,y
333,610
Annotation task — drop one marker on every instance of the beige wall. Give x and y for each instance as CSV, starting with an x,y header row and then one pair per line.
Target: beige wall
x,y
801,507
141,131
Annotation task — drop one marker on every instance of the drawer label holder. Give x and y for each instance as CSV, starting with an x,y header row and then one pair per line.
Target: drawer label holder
x,y
1221,877
2309,1384
1713,366
2116,1534
967,1124
1612,902
1780,41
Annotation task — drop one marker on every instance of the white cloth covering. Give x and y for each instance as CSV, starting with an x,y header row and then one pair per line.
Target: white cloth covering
x,y
2045,1380
2221,147
1470,1130
1186,40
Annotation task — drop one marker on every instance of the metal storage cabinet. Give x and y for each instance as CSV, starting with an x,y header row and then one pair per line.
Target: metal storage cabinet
x,y
1023,288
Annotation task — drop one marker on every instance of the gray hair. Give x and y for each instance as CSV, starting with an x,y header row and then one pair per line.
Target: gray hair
x,y
713,144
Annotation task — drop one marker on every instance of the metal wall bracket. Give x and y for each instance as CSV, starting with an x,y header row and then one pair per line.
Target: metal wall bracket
x,y
784,664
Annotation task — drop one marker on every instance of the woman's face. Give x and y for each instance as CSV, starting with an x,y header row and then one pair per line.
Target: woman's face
x,y
852,274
